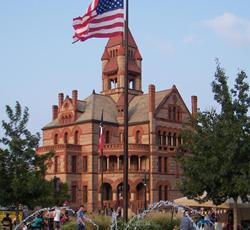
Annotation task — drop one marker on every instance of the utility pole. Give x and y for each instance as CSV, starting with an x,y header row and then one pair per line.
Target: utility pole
x,y
125,168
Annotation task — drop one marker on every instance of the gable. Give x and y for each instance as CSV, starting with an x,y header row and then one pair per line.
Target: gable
x,y
172,108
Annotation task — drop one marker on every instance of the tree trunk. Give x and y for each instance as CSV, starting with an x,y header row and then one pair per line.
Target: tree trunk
x,y
235,213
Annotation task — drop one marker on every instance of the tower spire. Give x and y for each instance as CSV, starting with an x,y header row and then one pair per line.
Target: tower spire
x,y
113,70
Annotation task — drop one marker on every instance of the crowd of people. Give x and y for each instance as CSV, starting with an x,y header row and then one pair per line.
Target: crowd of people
x,y
47,220
206,220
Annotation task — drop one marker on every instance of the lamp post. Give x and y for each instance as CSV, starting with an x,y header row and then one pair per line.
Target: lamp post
x,y
56,181
145,181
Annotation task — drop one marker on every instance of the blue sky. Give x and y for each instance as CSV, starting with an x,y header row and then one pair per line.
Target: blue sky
x,y
178,40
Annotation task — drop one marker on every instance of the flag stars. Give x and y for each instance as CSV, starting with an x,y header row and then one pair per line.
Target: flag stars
x,y
108,5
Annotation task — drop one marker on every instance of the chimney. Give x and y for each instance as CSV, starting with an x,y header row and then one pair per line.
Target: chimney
x,y
74,98
60,99
54,112
151,98
194,106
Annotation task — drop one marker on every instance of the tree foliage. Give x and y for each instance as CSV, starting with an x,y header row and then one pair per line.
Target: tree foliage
x,y
22,170
218,144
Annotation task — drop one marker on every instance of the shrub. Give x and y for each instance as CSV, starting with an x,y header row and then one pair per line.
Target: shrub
x,y
69,226
164,220
103,222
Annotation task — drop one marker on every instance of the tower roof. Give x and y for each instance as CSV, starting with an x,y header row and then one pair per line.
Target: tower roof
x,y
119,40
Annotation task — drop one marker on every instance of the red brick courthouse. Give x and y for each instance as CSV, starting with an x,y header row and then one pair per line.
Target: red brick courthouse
x,y
155,122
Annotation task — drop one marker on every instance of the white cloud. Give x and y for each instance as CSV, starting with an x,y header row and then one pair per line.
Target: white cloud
x,y
231,28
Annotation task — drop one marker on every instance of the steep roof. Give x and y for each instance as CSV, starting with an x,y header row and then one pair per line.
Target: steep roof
x,y
92,106
91,109
118,40
138,107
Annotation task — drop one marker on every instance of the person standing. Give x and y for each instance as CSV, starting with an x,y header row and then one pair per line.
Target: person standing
x,y
57,216
186,223
81,219
7,222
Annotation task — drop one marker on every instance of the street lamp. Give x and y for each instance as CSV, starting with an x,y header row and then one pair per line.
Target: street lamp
x,y
56,185
145,182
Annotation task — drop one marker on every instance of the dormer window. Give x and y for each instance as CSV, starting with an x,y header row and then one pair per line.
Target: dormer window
x,y
56,139
130,53
138,137
113,53
174,113
76,138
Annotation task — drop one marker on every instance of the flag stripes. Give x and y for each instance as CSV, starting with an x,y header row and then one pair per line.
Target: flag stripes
x,y
103,18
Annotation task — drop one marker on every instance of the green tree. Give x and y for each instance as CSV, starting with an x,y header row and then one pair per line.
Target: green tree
x,y
51,196
218,146
22,171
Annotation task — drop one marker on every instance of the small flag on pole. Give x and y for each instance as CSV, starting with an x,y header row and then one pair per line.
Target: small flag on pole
x,y
101,136
103,18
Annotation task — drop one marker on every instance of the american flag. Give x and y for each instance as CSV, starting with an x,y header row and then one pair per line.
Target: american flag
x,y
101,135
103,18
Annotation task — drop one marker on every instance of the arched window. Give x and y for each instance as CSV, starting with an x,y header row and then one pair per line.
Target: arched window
x,y
160,192
76,138
132,84
107,191
107,137
56,139
65,138
138,137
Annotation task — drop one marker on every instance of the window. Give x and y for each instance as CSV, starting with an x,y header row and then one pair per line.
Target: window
x,y
164,138
107,137
73,164
138,137
121,137
132,84
160,190
166,165
159,164
134,163
56,164
165,192
56,139
65,138
73,193
174,113
85,194
169,139
85,164
76,138
159,138
178,114
174,139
